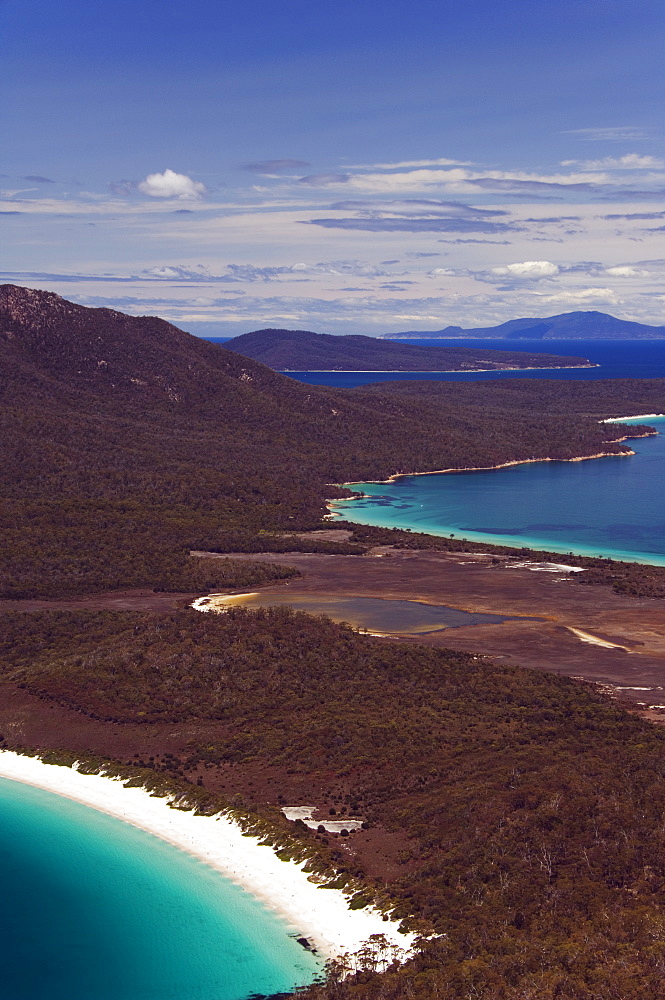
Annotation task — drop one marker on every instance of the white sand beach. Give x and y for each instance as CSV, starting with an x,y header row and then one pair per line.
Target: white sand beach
x,y
321,915
637,416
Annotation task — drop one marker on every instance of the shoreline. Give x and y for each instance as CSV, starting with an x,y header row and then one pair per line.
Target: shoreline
x,y
518,461
636,416
491,468
427,371
319,914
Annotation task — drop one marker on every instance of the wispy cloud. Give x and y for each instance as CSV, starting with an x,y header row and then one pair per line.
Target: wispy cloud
x,y
269,167
442,162
611,133
496,243
459,180
415,216
324,180
37,179
123,187
635,215
630,161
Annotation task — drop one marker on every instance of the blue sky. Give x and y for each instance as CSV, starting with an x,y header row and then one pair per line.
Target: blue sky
x,y
343,167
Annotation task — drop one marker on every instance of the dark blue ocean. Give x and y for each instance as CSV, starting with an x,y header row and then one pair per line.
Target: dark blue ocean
x,y
95,909
615,358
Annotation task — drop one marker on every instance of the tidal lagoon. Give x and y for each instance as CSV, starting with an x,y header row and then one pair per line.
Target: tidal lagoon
x,y
380,616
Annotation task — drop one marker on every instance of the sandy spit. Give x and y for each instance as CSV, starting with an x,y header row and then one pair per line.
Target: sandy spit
x,y
321,915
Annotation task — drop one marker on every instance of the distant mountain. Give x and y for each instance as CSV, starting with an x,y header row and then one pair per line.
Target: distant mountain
x,y
300,350
566,326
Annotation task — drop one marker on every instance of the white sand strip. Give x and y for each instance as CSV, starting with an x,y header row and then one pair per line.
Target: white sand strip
x,y
321,915
637,416
595,641
546,567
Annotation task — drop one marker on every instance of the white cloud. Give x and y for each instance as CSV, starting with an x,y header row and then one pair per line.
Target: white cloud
x,y
178,272
626,271
531,269
581,296
172,185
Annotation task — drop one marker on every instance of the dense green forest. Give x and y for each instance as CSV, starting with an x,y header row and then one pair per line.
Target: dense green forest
x,y
127,442
300,350
533,807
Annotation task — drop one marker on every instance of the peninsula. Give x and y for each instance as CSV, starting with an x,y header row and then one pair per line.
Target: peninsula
x,y
300,350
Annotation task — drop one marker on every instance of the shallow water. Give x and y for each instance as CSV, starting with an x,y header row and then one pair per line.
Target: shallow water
x,y
609,506
92,908
373,614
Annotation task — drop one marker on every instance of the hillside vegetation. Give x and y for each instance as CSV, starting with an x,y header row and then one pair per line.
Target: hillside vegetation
x,y
532,808
127,442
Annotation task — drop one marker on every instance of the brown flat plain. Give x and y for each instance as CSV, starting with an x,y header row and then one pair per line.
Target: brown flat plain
x,y
473,583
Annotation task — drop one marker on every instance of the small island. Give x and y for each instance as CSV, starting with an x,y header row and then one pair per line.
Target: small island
x,y
301,350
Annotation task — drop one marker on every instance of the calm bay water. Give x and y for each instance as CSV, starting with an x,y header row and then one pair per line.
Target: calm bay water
x,y
96,909
609,506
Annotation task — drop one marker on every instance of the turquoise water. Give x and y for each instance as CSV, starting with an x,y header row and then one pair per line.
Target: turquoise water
x,y
609,507
95,909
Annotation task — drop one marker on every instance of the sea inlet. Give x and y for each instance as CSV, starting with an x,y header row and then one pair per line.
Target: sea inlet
x,y
610,507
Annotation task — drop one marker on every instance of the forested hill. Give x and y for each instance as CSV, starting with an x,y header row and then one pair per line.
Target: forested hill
x,y
588,325
300,350
126,442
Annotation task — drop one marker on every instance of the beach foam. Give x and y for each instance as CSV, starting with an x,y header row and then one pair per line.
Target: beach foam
x,y
319,914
